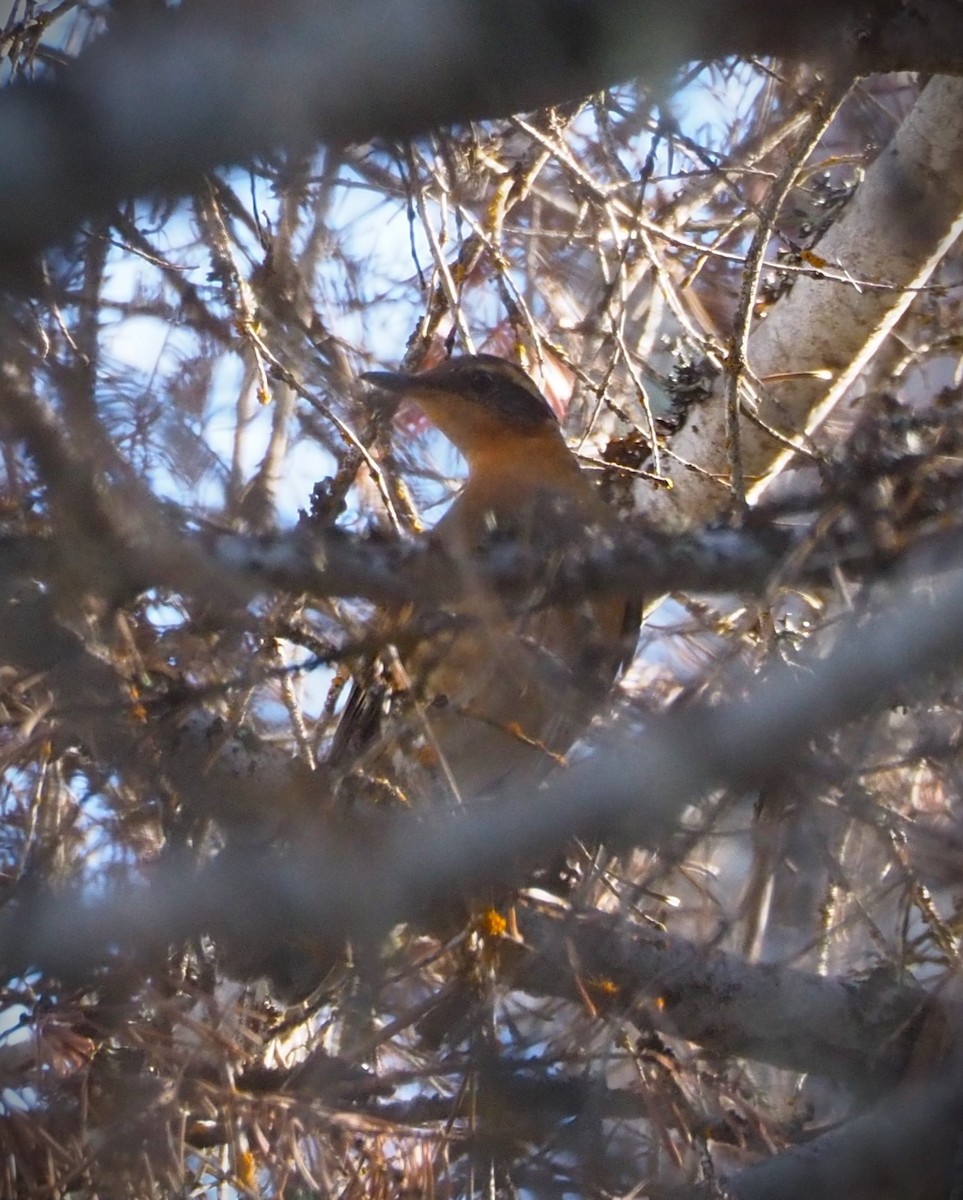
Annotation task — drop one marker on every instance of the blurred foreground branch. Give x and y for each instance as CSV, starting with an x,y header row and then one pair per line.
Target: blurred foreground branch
x,y
231,81
635,794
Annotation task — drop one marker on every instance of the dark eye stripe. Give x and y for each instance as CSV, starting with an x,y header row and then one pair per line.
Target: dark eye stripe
x,y
495,382
520,403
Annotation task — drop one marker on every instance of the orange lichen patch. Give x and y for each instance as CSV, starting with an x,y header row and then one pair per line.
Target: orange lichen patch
x,y
138,710
602,987
597,992
245,1170
491,924
812,259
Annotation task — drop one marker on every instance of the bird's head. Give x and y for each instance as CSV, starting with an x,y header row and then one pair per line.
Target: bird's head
x,y
484,405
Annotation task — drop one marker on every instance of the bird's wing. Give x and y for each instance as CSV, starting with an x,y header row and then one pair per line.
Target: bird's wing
x,y
483,694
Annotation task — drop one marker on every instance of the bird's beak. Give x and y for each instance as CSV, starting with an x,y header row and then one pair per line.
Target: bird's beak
x,y
399,382
390,381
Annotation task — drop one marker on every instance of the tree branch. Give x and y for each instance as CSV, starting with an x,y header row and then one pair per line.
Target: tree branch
x,y
904,218
856,1033
634,794
228,81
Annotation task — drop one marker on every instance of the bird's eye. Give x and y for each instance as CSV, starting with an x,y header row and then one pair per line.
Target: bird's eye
x,y
481,381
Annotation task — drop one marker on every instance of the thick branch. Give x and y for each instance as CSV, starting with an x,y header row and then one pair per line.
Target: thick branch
x,y
634,793
908,1146
235,567
906,215
227,81
857,1034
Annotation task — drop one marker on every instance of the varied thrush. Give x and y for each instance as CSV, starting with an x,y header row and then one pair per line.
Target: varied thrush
x,y
490,696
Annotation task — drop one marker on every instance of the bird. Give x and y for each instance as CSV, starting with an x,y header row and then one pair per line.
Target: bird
x,y
492,697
